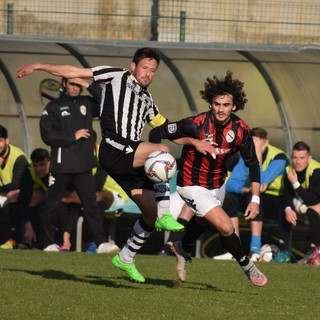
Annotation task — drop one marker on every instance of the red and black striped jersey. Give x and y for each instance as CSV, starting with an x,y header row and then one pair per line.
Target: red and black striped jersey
x,y
198,169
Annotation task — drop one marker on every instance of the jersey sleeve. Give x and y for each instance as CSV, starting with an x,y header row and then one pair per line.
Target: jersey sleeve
x,y
248,153
175,130
106,73
238,178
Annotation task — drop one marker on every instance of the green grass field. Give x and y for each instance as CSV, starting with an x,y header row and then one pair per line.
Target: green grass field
x,y
63,285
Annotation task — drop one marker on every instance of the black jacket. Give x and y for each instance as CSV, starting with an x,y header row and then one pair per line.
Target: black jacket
x,y
59,121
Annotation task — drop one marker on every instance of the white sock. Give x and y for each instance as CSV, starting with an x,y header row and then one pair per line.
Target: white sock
x,y
137,239
162,197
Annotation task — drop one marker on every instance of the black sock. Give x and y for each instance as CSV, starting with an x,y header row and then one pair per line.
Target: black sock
x,y
193,232
233,245
314,225
15,221
178,235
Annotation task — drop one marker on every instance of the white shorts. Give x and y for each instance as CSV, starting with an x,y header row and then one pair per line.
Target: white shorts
x,y
117,200
176,204
202,200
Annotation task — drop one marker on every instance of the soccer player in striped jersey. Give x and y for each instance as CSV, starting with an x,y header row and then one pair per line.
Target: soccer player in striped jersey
x,y
202,172
126,106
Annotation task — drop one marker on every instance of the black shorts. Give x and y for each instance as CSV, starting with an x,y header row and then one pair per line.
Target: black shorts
x,y
269,207
116,156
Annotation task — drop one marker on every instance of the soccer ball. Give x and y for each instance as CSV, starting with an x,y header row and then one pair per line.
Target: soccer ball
x,y
268,252
160,166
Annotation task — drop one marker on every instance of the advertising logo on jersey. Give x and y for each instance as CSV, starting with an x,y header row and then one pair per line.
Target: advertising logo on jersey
x,y
65,111
208,137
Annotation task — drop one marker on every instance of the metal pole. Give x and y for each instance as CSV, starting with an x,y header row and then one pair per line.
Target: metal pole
x,y
10,19
154,20
182,26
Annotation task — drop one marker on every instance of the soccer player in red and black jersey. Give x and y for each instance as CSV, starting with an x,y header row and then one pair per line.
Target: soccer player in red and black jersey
x,y
209,139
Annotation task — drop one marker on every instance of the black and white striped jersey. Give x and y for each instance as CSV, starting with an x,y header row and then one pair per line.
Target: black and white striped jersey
x,y
125,106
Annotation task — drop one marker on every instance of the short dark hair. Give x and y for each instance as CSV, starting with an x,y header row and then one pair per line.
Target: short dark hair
x,y
64,82
301,146
146,52
226,85
3,132
39,154
259,133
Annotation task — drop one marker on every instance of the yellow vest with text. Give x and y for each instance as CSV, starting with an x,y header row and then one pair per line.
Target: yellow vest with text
x,y
6,174
275,188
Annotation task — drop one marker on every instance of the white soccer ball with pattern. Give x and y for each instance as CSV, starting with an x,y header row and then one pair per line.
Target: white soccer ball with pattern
x,y
160,166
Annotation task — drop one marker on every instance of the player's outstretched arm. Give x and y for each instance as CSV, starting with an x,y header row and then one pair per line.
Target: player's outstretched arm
x,y
202,146
60,70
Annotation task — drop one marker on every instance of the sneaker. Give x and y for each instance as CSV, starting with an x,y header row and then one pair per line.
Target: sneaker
x,y
182,260
224,256
166,250
63,248
253,256
168,223
255,275
107,247
10,244
163,253
310,256
304,260
92,248
129,268
52,247
282,257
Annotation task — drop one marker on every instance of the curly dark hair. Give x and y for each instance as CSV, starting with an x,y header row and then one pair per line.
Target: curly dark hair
x,y
217,87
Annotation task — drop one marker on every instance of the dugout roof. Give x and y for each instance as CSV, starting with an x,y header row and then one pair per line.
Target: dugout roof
x,y
281,82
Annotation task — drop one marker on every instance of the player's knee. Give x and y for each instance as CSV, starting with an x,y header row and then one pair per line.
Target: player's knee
x,y
316,208
226,229
163,147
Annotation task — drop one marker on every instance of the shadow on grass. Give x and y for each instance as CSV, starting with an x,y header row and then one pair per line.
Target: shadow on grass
x,y
178,284
115,282
60,275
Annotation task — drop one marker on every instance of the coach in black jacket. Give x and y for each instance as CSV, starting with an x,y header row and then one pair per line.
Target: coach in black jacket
x,y
66,126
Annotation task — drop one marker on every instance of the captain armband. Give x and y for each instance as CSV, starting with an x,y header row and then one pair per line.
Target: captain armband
x,y
157,121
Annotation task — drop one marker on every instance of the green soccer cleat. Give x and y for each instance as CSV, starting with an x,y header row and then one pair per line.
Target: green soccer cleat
x,y
129,268
168,223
